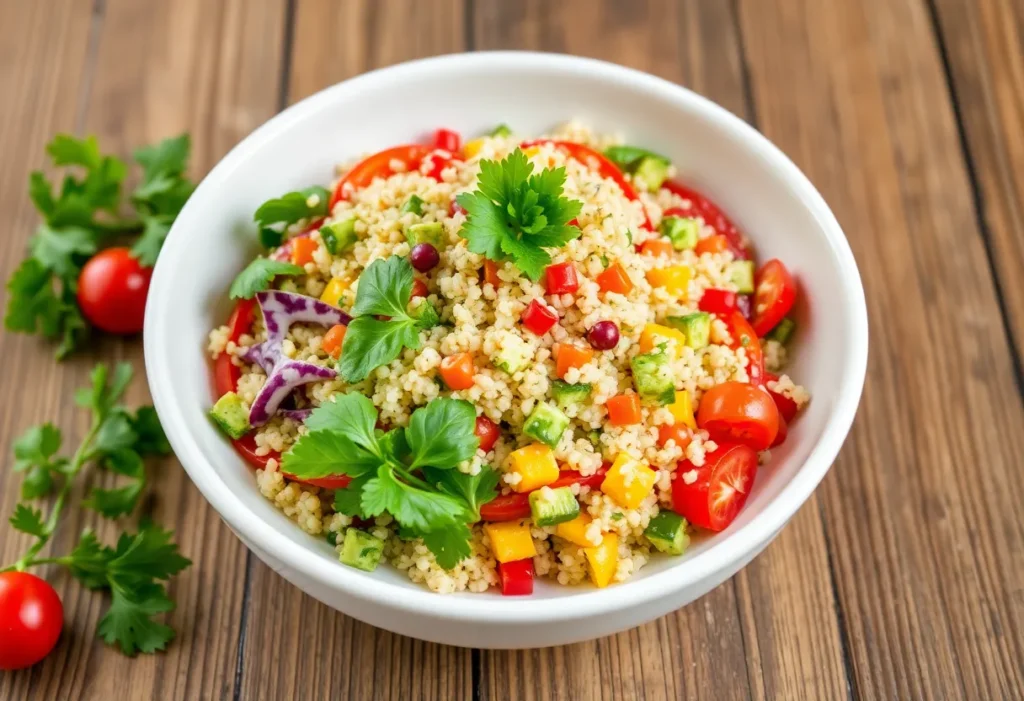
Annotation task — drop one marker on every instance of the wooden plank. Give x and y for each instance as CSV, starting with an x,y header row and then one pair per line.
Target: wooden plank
x,y
295,647
154,70
772,632
923,509
982,43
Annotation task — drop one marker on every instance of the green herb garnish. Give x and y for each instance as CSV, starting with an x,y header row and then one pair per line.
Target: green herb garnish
x,y
258,275
385,468
292,207
515,215
628,157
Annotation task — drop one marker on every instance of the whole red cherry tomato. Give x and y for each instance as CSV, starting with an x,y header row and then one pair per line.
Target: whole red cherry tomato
x,y
112,290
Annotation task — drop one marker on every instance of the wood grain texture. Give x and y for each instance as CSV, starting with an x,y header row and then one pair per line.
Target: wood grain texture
x,y
131,73
295,647
772,632
920,514
983,45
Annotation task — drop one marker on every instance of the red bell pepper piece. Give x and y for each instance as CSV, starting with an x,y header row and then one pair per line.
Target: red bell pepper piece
x,y
715,301
516,577
448,140
561,279
538,318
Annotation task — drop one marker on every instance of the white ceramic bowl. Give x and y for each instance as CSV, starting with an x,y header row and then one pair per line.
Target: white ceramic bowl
x,y
722,156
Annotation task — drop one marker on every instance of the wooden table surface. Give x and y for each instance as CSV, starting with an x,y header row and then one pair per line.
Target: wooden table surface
x,y
902,577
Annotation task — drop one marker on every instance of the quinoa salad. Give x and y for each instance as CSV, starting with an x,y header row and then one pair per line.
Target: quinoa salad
x,y
514,357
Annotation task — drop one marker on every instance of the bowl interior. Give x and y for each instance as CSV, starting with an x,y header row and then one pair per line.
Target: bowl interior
x,y
214,238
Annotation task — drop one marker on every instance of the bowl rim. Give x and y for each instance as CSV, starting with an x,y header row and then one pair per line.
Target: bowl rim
x,y
720,557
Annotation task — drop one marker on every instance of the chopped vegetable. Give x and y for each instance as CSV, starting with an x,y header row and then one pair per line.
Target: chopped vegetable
x,y
696,327
231,415
741,274
615,279
624,410
628,481
538,318
675,279
715,301
472,147
515,215
491,273
516,577
566,394
333,291
682,231
716,243
654,335
448,140
379,165
678,432
510,507
776,293
740,413
414,205
339,236
457,371
653,377
603,560
510,541
629,158
701,206
656,247
561,279
651,173
361,550
682,409
575,531
502,130
667,532
535,464
488,433
710,496
425,232
550,507
783,331
331,343
546,424
302,251
568,356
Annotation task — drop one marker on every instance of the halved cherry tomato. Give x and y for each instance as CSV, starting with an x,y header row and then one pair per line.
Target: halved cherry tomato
x,y
712,498
656,247
786,406
739,412
780,437
511,507
225,374
491,273
624,410
487,431
419,288
246,447
333,339
538,318
457,371
454,207
448,140
378,165
614,279
678,432
596,161
743,336
712,244
516,577
715,301
561,279
775,292
713,216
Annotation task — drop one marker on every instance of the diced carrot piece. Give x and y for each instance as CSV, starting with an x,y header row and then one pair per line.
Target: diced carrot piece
x,y
303,250
624,410
491,273
712,244
333,339
614,279
569,356
656,247
457,371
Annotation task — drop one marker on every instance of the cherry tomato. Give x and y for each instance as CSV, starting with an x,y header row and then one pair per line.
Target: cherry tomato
x,y
419,288
774,294
112,291
786,406
712,498
225,375
715,301
31,618
561,278
743,336
488,432
713,216
511,507
448,140
378,165
538,319
331,482
741,413
780,437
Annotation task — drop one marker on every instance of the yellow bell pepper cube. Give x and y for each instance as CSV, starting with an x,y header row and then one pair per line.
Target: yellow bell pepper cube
x,y
510,541
531,151
654,335
675,279
603,560
575,531
536,465
473,147
334,290
628,481
682,409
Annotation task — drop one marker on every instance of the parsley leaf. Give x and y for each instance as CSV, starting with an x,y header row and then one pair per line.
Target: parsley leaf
x,y
442,433
293,207
258,275
476,490
450,546
28,520
129,620
150,438
325,453
515,214
629,157
33,453
385,287
349,500
414,507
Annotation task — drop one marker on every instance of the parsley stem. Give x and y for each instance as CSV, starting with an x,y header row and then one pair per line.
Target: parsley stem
x,y
410,478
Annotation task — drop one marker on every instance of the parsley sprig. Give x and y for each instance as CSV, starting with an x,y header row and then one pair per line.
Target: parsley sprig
x,y
117,440
83,215
384,290
406,472
515,214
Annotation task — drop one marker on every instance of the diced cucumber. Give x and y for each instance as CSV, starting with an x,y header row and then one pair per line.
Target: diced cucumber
x,y
681,231
231,415
550,507
652,375
783,331
696,326
361,550
629,158
414,204
566,394
595,439
339,236
667,532
431,232
501,130
651,172
513,356
741,273
546,424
